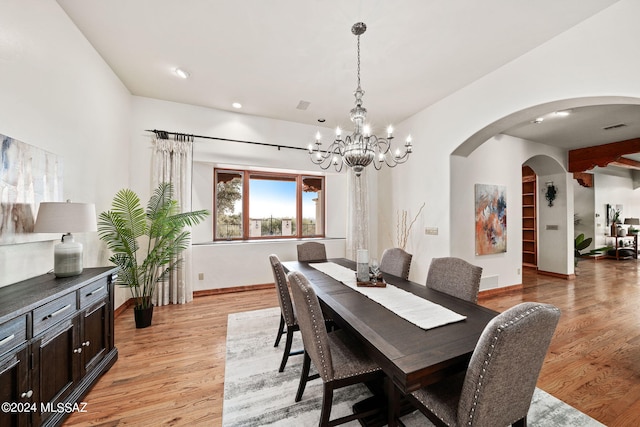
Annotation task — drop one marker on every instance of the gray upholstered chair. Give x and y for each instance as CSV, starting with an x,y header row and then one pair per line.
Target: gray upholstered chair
x,y
396,261
287,312
287,315
339,359
497,388
312,251
456,277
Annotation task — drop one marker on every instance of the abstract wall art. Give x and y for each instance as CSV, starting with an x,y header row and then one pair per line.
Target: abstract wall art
x,y
491,219
28,176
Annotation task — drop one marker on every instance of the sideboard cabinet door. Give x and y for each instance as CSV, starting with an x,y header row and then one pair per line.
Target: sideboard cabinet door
x,y
14,388
95,336
59,360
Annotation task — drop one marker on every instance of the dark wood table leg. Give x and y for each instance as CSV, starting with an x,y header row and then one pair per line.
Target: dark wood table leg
x,y
381,399
393,403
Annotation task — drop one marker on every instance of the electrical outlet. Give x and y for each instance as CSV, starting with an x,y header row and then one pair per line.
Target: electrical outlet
x,y
433,231
518,272
200,276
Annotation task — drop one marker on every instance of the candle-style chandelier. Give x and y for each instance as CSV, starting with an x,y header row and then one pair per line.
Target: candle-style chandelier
x,y
360,148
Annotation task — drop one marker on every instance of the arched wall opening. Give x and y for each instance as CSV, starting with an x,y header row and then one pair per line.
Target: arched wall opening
x,y
527,114
491,157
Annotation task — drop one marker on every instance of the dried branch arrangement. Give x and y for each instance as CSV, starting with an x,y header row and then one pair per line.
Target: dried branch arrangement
x,y
402,229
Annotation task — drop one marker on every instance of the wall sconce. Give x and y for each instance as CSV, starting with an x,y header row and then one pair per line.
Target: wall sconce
x,y
551,192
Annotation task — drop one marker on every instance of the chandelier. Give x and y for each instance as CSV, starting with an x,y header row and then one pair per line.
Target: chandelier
x,y
359,149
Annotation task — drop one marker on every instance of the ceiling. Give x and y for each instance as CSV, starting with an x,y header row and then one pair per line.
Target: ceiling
x,y
270,55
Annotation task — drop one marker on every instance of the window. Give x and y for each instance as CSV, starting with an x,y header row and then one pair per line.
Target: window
x,y
259,205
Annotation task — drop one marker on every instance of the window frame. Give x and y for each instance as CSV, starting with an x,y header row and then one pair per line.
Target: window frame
x,y
269,175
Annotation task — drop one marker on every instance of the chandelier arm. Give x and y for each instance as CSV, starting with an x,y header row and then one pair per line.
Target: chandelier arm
x,y
384,145
332,157
326,152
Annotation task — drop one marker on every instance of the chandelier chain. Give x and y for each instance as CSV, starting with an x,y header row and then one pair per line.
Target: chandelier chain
x,y
358,62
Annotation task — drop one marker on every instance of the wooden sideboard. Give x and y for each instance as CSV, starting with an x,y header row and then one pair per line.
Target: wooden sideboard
x,y
56,340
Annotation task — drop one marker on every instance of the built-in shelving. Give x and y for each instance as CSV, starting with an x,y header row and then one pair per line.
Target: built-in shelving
x,y
529,221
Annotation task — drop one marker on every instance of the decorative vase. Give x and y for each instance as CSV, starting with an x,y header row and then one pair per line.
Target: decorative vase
x,y
143,316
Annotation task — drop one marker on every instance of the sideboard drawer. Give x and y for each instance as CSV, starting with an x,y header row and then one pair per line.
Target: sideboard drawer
x,y
13,333
52,312
93,292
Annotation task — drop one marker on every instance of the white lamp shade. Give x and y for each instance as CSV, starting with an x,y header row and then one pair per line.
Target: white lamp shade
x,y
65,217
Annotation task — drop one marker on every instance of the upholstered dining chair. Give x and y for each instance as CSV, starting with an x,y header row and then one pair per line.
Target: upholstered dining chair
x,y
396,261
456,277
287,315
287,312
499,382
339,359
312,251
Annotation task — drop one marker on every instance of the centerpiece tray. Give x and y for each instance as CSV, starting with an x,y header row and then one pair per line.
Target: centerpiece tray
x,y
372,284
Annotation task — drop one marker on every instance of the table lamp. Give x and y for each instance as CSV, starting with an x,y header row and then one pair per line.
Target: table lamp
x,y
66,218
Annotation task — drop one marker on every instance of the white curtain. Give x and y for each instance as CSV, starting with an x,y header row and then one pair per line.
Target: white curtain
x,y
172,162
357,213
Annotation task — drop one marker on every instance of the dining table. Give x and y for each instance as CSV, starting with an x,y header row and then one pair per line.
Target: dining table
x,y
411,356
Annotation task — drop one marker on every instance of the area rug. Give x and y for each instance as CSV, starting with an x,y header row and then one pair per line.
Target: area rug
x,y
256,394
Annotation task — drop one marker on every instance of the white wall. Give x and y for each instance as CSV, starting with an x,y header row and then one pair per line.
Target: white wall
x,y
229,264
590,60
498,162
59,95
555,226
585,209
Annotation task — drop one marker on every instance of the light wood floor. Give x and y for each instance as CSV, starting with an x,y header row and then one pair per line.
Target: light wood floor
x,y
173,372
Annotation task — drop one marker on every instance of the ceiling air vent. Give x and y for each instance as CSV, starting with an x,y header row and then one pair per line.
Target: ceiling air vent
x,y
619,125
303,105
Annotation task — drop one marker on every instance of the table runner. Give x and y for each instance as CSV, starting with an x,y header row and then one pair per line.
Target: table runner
x,y
419,311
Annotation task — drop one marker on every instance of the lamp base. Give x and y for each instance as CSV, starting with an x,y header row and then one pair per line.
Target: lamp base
x,y
67,257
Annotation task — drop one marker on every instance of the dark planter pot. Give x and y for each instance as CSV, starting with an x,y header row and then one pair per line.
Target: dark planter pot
x,y
143,316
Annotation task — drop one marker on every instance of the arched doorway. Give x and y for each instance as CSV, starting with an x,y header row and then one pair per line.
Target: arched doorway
x,y
553,226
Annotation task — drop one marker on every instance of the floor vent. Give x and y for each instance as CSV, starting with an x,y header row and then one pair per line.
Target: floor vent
x,y
489,282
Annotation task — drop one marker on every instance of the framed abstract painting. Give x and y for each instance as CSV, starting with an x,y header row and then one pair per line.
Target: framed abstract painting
x,y
491,219
28,176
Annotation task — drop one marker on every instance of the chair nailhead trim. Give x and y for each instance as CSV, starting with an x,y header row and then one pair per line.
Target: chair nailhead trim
x,y
499,330
323,360
281,280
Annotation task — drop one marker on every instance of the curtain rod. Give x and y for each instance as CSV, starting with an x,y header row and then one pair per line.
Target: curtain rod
x,y
164,135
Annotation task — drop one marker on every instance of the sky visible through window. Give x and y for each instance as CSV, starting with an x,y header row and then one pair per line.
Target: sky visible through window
x,y
276,198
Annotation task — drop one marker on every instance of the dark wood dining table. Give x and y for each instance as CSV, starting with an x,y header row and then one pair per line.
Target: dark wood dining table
x,y
410,357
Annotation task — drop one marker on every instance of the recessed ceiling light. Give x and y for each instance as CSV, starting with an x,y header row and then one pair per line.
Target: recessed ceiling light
x,y
321,120
564,113
236,105
182,73
538,120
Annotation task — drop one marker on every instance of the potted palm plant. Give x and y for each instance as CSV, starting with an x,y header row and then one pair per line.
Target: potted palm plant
x,y
146,243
